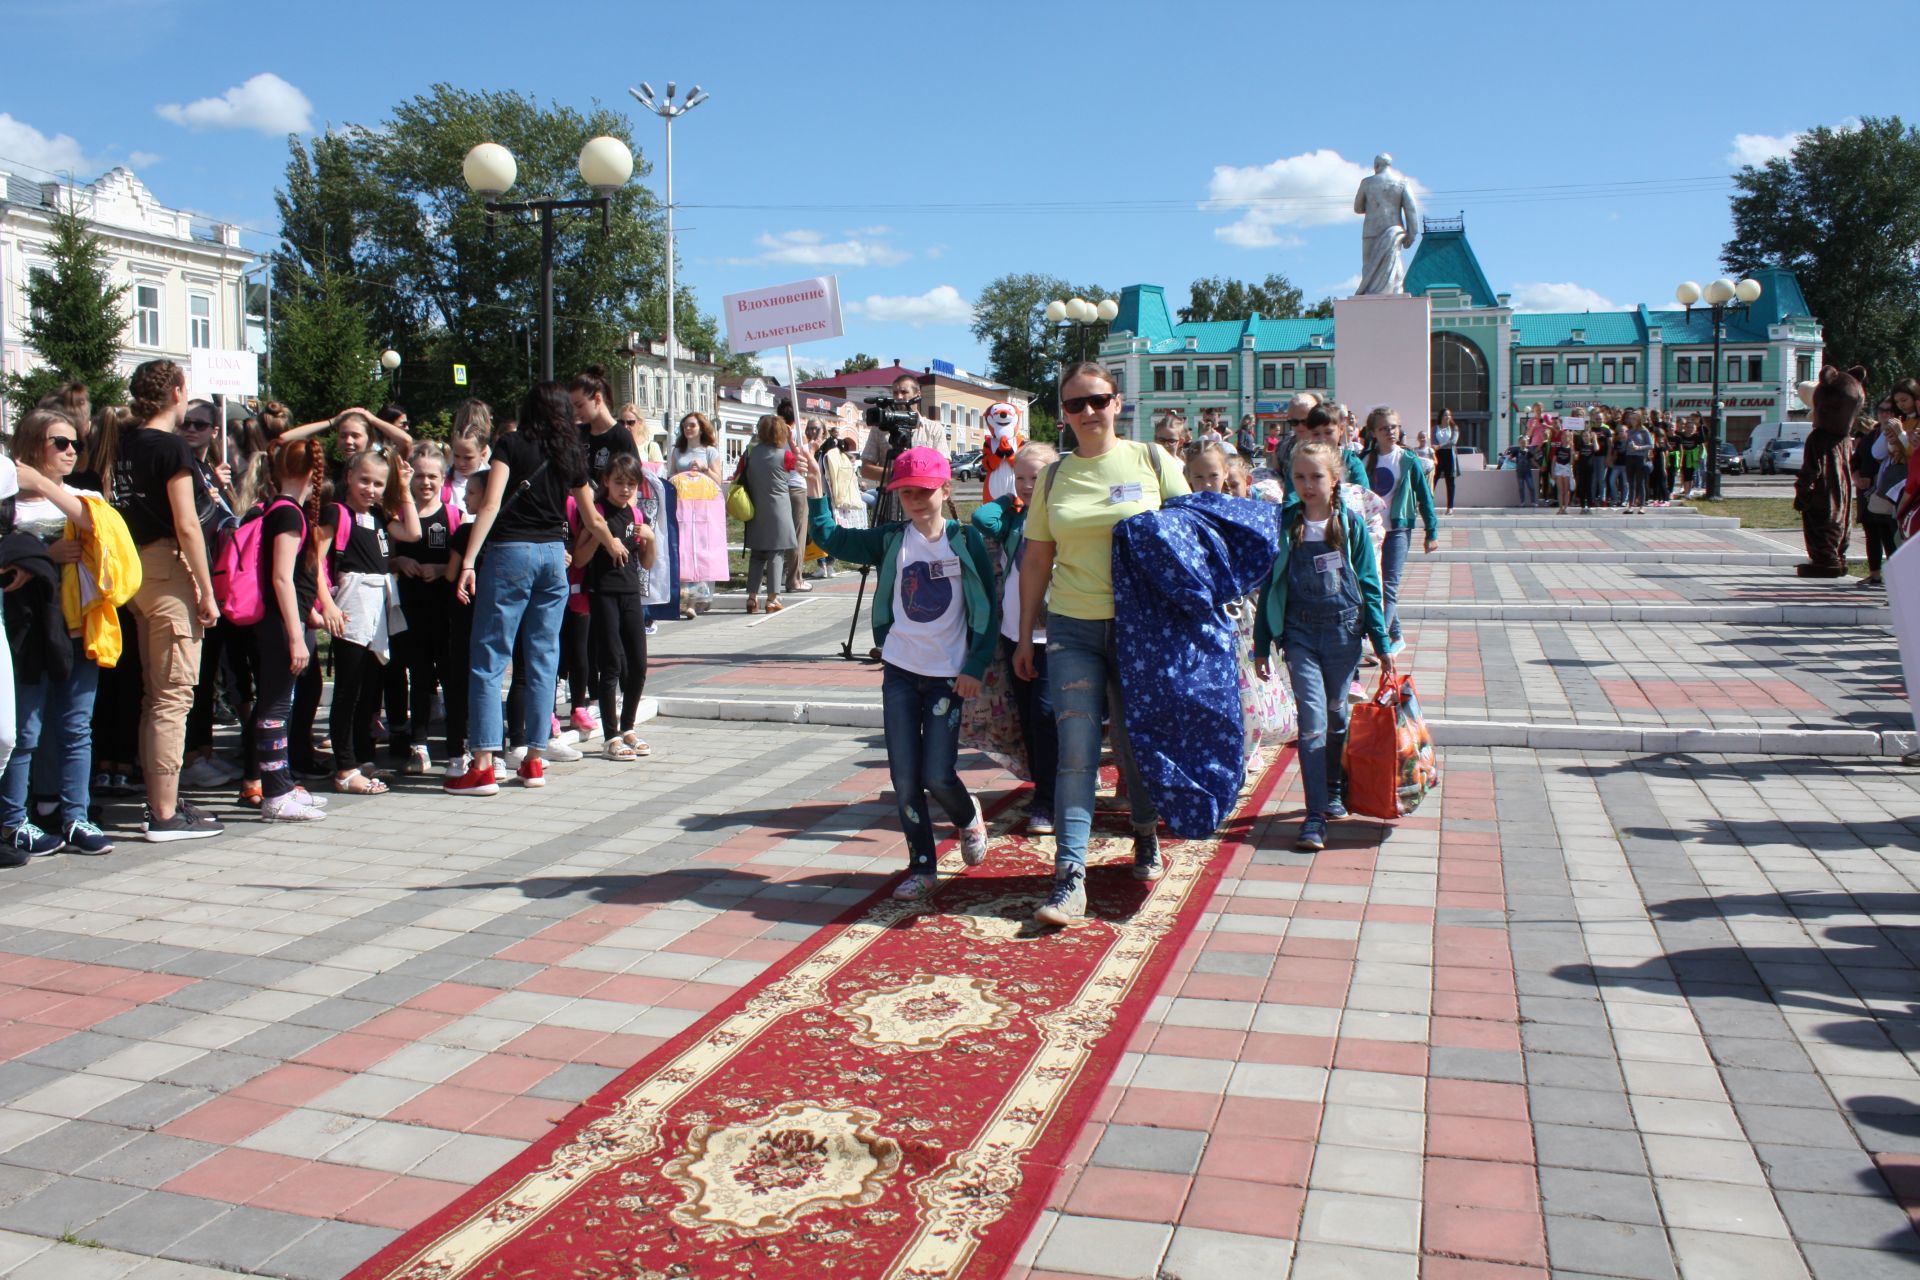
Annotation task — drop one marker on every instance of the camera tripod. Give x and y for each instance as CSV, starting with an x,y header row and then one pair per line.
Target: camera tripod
x,y
886,508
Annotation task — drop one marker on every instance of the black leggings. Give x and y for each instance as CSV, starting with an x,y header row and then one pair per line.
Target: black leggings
x,y
458,674
116,708
1883,536
619,624
421,663
356,693
578,660
266,738
307,688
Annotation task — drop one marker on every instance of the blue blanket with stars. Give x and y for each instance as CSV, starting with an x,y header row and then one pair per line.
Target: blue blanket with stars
x,y
1174,570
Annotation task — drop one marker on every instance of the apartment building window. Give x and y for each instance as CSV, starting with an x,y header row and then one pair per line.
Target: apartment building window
x,y
1316,375
1204,380
36,275
1526,373
1286,377
1609,372
1803,368
1269,377
1733,368
1756,368
1177,379
146,315
199,320
1219,377
1546,373
1159,377
1683,369
1119,377
1630,369
1576,373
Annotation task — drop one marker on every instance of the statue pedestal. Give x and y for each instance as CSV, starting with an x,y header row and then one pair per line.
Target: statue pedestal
x,y
1382,355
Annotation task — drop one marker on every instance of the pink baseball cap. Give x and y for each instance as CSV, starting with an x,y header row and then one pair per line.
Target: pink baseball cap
x,y
920,469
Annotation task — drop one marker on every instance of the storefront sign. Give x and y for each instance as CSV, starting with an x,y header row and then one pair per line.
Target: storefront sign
x,y
1706,402
783,314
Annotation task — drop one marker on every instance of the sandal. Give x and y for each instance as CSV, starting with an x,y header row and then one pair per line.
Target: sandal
x,y
355,783
251,795
753,606
637,743
617,749
774,606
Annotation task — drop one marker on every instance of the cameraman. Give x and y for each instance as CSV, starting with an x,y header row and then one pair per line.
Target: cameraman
x,y
873,458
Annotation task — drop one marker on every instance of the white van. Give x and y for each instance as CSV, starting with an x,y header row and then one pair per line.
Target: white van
x,y
1766,433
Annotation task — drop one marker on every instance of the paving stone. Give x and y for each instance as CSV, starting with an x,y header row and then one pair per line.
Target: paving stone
x,y
150,1160
1818,1218
329,1251
1140,1147
66,1204
1578,1147
69,1147
150,1223
1608,1248
1106,1247
1549,1105
1588,1193
241,1239
1197,1253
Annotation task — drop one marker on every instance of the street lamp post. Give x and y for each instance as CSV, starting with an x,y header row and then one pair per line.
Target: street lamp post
x,y
1082,315
390,361
1721,296
668,111
605,163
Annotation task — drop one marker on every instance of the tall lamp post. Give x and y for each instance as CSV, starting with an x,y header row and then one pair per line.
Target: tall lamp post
x,y
1082,315
390,361
669,111
605,163
1721,296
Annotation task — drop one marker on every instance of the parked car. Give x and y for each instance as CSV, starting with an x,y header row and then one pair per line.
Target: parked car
x,y
1731,461
968,466
1766,433
1782,456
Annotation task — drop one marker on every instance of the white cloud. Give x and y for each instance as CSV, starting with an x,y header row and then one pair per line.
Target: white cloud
x,y
1544,296
774,365
808,248
22,143
941,304
143,159
1313,189
1344,289
265,103
1758,148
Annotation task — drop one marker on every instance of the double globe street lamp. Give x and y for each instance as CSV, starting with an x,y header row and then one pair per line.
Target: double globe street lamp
x,y
1082,315
490,169
1721,296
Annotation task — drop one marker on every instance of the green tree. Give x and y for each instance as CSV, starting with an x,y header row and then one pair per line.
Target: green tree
x,y
1025,349
859,362
323,360
386,209
74,321
1843,212
1321,310
1218,298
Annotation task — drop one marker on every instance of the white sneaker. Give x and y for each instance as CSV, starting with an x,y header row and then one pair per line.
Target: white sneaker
x,y
418,762
459,764
514,757
559,752
288,808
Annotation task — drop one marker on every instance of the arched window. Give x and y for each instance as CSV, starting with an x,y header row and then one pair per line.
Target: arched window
x,y
1460,383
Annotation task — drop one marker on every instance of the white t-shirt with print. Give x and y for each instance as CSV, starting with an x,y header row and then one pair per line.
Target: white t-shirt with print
x,y
929,635
1010,604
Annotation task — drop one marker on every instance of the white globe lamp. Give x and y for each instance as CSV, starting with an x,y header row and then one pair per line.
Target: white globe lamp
x,y
490,170
1720,292
1056,311
1748,290
606,164
1107,309
1687,294
389,359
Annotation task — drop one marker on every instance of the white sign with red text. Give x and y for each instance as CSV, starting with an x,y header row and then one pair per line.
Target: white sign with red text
x,y
223,373
783,314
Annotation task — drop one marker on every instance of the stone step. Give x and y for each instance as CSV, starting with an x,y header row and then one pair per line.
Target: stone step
x,y
1761,559
1522,513
1758,615
1547,519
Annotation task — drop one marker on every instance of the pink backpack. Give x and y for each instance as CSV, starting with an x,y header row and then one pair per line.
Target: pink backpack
x,y
239,582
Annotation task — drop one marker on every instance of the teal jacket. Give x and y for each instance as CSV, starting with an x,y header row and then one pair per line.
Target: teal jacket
x,y
1270,620
1356,473
1002,522
882,547
1413,490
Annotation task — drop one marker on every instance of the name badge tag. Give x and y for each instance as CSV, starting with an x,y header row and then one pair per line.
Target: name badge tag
x,y
949,568
1119,493
1328,562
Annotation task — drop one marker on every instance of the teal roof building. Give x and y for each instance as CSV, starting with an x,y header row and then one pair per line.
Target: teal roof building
x,y
1491,363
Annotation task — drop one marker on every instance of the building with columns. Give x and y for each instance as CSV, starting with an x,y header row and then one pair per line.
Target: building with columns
x,y
183,272
1490,363
694,375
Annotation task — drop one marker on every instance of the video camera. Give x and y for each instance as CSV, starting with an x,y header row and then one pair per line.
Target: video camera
x,y
891,415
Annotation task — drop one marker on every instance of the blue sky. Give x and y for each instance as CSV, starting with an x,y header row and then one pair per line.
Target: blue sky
x,y
918,152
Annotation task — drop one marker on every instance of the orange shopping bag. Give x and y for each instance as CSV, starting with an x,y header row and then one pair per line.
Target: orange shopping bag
x,y
1389,760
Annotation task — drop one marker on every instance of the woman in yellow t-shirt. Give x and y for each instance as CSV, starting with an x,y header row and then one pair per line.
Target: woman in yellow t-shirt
x,y
1068,566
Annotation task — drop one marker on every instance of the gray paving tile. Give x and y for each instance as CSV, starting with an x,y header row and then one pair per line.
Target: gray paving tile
x,y
1125,1146
70,1146
1589,1193
329,1251
285,1041
241,1239
17,1079
575,1082
1544,1037
1476,1064
146,1022
152,1222
218,1070
1819,1218
1608,1248
1839,1262
77,1051
150,1160
1838,1171
66,1204
1578,1147
1570,1072
1794,1126
1592,1107
150,1106
17,1183
1775,1088
209,995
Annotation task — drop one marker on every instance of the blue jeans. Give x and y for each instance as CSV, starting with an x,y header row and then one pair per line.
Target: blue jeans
x,y
1616,491
1528,493
1323,654
1393,561
66,706
922,717
519,585
1083,683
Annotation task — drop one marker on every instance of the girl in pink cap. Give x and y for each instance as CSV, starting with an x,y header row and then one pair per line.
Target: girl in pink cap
x,y
937,621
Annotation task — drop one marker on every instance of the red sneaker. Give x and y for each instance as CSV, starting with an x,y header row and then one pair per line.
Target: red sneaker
x,y
476,781
532,772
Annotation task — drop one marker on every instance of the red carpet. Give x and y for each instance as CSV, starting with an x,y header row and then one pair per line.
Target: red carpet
x,y
894,1102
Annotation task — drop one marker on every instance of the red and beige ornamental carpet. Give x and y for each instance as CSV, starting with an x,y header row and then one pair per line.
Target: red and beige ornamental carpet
x,y
895,1102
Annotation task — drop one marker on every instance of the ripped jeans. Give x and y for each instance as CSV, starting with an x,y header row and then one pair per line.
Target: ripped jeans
x,y
922,718
1083,684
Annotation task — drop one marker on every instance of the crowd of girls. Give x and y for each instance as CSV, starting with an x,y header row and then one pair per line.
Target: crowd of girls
x,y
421,571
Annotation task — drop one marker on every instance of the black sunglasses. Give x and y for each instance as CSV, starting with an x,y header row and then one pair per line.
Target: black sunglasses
x,y
1097,402
64,444
629,422
198,424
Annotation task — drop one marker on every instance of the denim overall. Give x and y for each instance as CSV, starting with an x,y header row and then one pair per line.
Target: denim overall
x,y
1321,641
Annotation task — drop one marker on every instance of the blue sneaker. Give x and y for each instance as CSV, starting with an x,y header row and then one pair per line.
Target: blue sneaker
x,y
1313,835
1335,809
84,837
33,842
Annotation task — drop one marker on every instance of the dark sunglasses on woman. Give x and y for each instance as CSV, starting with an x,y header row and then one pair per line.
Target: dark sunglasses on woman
x,y
1097,402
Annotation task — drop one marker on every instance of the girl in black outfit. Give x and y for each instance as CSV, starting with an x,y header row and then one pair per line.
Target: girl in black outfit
x,y
426,598
296,601
459,671
361,588
614,603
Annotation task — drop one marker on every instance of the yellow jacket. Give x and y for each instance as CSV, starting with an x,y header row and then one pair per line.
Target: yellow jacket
x,y
106,578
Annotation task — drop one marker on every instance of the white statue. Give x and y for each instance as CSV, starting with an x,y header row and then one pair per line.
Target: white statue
x,y
1392,220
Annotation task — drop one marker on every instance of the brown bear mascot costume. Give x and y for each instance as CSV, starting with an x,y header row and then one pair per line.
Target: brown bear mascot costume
x,y
1823,491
